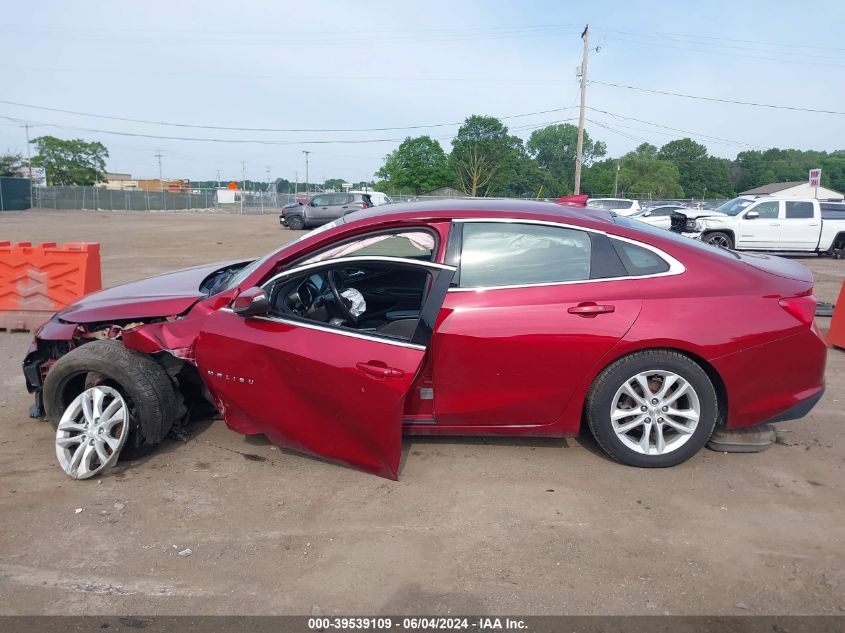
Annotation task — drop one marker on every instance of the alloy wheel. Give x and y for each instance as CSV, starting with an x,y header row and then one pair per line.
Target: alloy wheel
x,y
92,431
655,412
719,240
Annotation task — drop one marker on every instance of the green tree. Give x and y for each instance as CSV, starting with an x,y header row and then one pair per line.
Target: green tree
x,y
700,173
418,164
642,173
70,162
482,155
554,148
334,183
11,164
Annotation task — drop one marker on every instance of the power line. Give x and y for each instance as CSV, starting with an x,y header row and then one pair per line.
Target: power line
x,y
256,141
261,129
674,129
716,99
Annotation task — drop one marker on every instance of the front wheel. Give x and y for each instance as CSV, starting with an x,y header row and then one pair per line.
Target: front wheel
x,y
720,239
101,390
652,409
295,223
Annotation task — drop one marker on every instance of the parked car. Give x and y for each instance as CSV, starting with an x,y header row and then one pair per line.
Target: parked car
x,y
622,206
660,216
377,198
322,209
769,224
456,317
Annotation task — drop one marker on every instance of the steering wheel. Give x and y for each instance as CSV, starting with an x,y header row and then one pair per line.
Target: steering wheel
x,y
343,304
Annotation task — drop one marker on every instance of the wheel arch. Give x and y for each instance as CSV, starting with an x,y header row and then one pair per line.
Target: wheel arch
x,y
706,366
727,231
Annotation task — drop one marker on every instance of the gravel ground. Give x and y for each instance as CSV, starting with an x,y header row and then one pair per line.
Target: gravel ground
x,y
474,525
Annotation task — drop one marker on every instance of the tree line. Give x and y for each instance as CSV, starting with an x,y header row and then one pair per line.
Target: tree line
x,y
485,159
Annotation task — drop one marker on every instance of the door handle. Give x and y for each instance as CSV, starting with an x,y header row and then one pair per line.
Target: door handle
x,y
590,309
774,223
380,371
813,224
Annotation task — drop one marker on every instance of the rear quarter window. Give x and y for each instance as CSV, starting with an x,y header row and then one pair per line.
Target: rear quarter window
x,y
640,261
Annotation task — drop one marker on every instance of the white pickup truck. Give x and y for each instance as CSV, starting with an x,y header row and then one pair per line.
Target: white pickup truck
x,y
799,225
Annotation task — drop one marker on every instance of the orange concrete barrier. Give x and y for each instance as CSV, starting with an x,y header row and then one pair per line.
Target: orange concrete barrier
x,y
36,281
836,333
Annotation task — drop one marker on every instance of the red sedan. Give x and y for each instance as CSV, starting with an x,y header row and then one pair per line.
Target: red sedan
x,y
477,317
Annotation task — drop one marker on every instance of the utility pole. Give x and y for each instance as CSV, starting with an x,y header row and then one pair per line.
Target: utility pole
x,y
616,180
243,184
160,181
295,182
579,150
28,160
306,152
218,179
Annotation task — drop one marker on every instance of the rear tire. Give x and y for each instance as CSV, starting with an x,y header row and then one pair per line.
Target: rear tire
x,y
662,427
143,383
295,222
720,239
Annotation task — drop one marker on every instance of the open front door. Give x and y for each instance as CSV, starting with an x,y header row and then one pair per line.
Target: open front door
x,y
329,391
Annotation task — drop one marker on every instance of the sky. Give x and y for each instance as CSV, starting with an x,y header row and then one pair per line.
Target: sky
x,y
331,71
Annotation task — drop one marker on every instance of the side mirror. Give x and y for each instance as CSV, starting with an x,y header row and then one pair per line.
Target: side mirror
x,y
251,302
751,215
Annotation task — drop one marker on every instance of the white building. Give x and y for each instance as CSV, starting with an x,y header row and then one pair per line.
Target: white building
x,y
798,189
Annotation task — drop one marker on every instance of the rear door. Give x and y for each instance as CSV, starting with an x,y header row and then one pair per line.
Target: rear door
x,y
762,232
801,226
331,392
535,309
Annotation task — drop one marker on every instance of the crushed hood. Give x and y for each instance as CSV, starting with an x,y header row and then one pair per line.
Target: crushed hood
x,y
160,296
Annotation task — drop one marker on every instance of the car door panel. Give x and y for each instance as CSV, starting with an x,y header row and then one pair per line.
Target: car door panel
x,y
762,232
800,233
337,393
514,356
303,389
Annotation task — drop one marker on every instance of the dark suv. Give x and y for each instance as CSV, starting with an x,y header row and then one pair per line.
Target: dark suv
x,y
322,208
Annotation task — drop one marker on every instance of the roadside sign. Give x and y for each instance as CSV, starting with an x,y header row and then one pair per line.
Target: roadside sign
x,y
815,177
39,175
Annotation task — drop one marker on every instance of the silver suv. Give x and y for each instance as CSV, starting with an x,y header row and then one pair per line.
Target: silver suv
x,y
323,208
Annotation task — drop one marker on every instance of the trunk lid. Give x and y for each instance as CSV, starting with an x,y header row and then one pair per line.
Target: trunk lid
x,y
779,266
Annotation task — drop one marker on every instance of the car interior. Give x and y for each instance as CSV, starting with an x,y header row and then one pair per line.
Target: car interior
x,y
379,298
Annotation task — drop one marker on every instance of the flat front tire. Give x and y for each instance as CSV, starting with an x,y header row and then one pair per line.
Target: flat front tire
x,y
652,409
142,384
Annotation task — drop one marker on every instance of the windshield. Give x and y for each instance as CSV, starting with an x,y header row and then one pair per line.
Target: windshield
x,y
734,207
247,270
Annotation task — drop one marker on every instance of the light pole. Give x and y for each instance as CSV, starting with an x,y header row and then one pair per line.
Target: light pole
x,y
306,152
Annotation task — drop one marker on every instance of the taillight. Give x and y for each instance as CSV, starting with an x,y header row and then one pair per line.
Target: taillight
x,y
802,308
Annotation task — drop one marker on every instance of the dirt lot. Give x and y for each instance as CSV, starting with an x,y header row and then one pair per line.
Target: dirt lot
x,y
473,526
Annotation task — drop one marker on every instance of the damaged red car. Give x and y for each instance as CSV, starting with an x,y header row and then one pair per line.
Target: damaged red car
x,y
477,317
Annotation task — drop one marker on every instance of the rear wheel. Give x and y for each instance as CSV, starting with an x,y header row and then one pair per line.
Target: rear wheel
x,y
106,372
652,409
295,222
720,239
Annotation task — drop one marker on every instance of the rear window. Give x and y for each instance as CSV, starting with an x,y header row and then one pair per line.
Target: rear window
x,y
649,229
503,254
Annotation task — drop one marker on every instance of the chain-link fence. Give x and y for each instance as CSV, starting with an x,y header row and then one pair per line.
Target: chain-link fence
x,y
247,202
102,199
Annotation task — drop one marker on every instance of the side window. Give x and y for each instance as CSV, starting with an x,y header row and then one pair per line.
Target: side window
x,y
767,210
409,245
797,209
640,261
340,199
504,254
322,201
